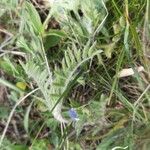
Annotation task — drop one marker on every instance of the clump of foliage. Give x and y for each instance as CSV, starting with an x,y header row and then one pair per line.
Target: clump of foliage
x,y
64,81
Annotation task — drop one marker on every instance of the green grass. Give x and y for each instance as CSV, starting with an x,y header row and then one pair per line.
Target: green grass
x,y
70,56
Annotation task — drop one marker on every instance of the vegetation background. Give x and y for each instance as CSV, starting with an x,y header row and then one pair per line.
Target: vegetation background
x,y
74,75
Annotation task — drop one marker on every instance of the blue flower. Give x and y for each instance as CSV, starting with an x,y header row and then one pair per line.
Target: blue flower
x,y
73,114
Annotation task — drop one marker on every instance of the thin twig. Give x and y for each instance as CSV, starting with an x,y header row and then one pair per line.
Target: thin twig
x,y
4,52
138,100
6,32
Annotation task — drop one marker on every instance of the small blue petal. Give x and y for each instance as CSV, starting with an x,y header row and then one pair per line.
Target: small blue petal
x,y
73,114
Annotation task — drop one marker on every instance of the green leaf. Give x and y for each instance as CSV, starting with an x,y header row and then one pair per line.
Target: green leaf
x,y
8,66
18,147
108,49
74,146
40,145
80,124
26,118
51,41
11,68
54,32
34,18
52,38
8,145
10,85
22,43
21,85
